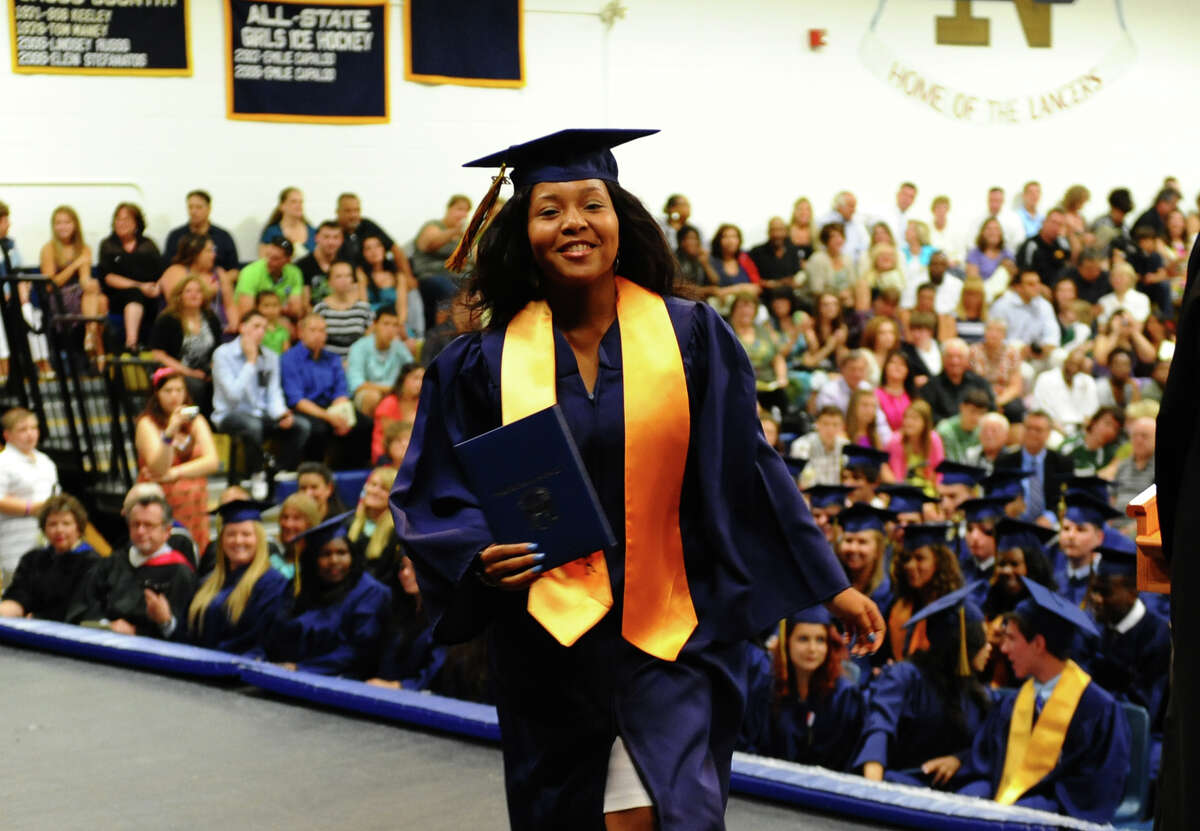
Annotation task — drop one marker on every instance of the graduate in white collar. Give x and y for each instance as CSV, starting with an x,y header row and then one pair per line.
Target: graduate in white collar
x,y
1082,535
1061,743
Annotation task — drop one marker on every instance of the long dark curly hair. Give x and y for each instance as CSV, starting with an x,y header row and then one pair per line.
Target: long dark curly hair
x,y
939,665
506,279
947,576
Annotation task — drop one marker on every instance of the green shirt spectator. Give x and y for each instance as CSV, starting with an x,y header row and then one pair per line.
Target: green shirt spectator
x,y
274,273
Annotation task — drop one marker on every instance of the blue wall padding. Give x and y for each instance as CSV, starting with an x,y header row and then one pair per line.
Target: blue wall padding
x,y
463,718
347,483
809,787
130,650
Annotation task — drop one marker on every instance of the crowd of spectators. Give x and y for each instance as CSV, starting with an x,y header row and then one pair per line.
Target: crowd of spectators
x,y
966,404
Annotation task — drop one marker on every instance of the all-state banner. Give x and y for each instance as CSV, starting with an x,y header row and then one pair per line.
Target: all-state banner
x,y
319,62
100,37
472,42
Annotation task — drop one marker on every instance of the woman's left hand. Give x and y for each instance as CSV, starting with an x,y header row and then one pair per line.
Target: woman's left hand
x,y
861,617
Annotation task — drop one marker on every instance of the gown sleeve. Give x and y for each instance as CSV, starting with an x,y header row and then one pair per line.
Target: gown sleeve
x,y
437,517
264,605
1090,776
771,558
888,699
20,588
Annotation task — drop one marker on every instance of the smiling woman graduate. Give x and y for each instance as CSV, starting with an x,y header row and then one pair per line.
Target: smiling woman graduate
x,y
620,680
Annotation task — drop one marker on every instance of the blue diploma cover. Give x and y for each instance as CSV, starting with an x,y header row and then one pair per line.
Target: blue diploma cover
x,y
532,487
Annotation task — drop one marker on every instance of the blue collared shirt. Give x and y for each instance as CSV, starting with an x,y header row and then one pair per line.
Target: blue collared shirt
x,y
1028,323
242,386
320,380
1031,222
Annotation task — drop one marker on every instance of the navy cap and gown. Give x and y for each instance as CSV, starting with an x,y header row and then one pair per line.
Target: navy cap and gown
x,y
330,630
752,555
1088,779
822,728
1132,657
216,630
862,516
914,713
982,509
1082,508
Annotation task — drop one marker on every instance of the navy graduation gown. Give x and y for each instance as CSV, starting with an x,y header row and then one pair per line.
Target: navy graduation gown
x,y
266,599
822,730
1074,589
754,736
45,581
342,638
752,553
1088,781
907,724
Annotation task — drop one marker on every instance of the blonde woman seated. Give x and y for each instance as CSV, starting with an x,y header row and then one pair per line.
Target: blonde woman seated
x,y
67,261
298,513
372,535
236,604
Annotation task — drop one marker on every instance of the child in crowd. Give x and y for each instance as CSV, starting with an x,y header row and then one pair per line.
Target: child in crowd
x,y
398,405
822,448
27,479
280,331
959,433
395,442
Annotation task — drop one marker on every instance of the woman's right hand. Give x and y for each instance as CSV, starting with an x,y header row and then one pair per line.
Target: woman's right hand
x,y
512,566
175,423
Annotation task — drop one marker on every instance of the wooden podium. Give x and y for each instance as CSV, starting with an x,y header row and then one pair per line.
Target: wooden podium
x,y
1153,572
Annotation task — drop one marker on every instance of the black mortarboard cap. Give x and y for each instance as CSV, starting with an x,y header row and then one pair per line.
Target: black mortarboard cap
x,y
948,617
867,458
906,499
1120,558
984,508
565,156
1052,615
956,473
925,533
1094,485
1084,508
1014,533
825,496
795,466
949,602
862,516
240,510
316,537
1005,482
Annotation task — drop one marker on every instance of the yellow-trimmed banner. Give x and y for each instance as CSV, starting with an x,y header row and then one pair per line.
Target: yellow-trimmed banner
x,y
479,43
316,62
100,37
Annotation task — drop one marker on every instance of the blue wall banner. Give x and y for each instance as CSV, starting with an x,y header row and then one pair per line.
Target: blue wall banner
x,y
477,43
317,62
100,37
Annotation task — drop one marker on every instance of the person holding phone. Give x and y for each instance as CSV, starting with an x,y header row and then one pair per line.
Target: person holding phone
x,y
620,677
175,449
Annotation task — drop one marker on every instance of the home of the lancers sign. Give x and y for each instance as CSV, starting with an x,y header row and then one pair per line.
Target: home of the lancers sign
x,y
997,62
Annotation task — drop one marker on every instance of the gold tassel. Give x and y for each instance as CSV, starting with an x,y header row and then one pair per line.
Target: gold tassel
x,y
964,665
781,653
458,260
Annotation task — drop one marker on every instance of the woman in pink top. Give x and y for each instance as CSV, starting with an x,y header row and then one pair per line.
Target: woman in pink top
x,y
916,449
892,392
398,405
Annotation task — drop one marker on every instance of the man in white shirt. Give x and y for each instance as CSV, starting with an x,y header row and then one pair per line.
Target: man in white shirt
x,y
948,236
1010,223
858,239
937,274
898,215
27,479
1030,317
1067,394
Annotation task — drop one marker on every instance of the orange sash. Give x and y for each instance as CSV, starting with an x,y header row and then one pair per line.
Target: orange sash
x,y
568,601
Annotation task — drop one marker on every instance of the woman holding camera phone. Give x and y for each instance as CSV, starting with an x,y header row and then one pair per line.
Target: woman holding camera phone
x,y
175,449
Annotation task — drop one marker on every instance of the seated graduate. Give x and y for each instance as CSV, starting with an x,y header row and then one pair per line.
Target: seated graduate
x,y
924,570
1082,535
861,549
932,703
826,502
1133,656
908,505
978,561
816,714
208,560
144,587
46,578
1061,743
754,735
333,625
237,602
863,470
297,514
372,533
410,659
1019,553
956,484
1007,484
